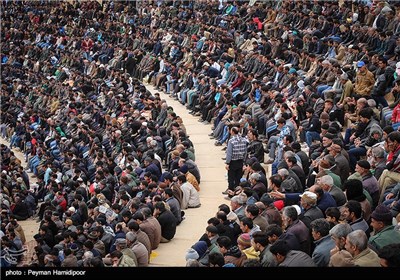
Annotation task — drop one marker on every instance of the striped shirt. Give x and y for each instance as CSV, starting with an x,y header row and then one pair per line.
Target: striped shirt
x,y
237,149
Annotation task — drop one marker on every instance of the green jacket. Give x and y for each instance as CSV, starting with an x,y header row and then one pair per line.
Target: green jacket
x,y
388,235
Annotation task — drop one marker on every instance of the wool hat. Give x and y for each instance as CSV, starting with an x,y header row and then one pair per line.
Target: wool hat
x,y
260,205
212,229
371,103
296,146
184,169
55,213
324,116
200,247
121,241
183,155
266,199
382,213
251,161
324,164
334,147
232,216
92,235
364,164
191,254
73,247
329,135
244,240
167,176
309,197
101,221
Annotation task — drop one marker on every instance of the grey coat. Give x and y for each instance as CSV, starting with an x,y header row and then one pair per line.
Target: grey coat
x,y
297,259
321,254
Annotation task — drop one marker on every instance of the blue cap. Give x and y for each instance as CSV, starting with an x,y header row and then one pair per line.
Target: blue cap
x,y
292,70
360,64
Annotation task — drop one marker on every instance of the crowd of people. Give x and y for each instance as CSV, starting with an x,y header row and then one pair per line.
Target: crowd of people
x,y
310,88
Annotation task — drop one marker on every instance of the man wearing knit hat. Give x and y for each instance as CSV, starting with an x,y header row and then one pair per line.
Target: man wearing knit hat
x,y
342,164
200,247
191,254
324,117
244,244
244,241
369,181
271,213
384,232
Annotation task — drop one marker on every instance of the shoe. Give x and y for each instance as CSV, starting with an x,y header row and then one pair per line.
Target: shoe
x,y
225,192
206,122
212,137
211,134
270,161
217,143
224,148
200,120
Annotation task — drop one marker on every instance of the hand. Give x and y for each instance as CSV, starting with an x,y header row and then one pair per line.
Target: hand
x,y
227,167
357,141
389,196
315,163
335,250
276,194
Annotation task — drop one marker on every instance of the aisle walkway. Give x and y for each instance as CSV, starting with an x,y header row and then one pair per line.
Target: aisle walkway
x,y
213,182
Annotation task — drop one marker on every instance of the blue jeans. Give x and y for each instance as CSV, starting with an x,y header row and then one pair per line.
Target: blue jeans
x,y
225,135
347,135
321,88
310,136
354,155
15,139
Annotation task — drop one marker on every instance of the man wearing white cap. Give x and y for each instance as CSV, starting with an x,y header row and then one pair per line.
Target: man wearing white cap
x,y
308,201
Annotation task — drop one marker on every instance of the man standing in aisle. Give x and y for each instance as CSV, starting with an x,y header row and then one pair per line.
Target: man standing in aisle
x,y
235,155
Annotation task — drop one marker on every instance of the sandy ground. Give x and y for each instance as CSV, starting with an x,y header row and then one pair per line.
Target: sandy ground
x,y
212,168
